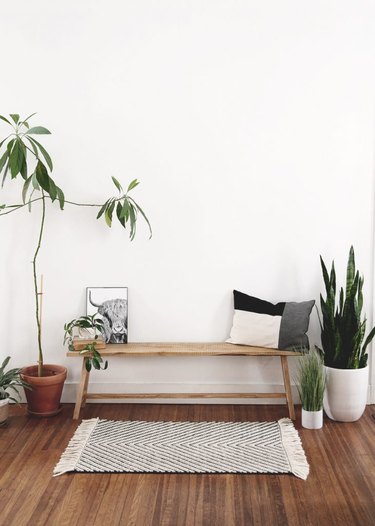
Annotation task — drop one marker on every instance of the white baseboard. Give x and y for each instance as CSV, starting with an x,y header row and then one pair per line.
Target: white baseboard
x,y
70,390
371,394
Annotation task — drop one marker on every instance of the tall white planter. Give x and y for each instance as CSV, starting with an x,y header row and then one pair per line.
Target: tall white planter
x,y
345,396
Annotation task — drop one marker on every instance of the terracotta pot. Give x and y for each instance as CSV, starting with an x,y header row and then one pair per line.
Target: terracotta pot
x,y
4,410
44,399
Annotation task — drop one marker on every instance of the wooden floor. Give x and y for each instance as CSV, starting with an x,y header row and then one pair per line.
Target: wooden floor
x,y
340,488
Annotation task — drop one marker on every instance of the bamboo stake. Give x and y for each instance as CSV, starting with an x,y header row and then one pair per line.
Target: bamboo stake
x,y
40,294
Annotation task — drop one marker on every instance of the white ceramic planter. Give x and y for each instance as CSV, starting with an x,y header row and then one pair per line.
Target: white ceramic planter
x,y
345,396
312,419
4,410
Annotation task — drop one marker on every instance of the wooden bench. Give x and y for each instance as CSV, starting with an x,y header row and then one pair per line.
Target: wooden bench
x,y
182,349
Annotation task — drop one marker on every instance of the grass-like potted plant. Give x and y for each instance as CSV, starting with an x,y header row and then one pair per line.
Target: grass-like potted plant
x,y
10,382
311,386
23,157
343,330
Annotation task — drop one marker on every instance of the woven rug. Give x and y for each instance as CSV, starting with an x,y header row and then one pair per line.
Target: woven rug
x,y
105,446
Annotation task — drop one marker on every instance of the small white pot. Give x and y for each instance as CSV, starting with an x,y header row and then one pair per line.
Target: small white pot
x,y
312,419
345,395
4,410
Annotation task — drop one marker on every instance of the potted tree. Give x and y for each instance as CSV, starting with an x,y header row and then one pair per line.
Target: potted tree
x,y
23,157
310,387
10,381
343,330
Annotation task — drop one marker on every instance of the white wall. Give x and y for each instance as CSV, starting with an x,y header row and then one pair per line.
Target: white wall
x,y
251,128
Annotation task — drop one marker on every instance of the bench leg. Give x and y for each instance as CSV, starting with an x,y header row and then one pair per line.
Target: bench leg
x,y
288,388
82,390
87,377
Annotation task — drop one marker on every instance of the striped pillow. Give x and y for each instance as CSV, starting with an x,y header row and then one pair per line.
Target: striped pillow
x,y
263,324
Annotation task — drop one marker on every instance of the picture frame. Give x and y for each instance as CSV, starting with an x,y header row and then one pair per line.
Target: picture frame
x,y
111,304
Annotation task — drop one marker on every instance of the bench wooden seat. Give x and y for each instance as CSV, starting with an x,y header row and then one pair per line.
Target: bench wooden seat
x,y
181,349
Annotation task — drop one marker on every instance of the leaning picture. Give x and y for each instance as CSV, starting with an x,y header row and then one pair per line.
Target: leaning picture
x,y
111,303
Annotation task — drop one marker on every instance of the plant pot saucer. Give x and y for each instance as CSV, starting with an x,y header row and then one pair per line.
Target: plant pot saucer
x,y
46,414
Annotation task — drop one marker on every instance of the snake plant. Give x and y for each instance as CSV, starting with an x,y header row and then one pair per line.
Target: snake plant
x,y
342,326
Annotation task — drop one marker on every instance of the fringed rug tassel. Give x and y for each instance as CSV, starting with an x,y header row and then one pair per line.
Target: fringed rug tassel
x,y
70,458
293,448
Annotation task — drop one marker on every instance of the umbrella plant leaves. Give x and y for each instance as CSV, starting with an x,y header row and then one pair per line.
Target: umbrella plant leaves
x,y
16,158
43,151
38,130
42,176
117,184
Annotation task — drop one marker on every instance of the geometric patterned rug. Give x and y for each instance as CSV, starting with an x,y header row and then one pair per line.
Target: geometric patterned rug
x,y
107,446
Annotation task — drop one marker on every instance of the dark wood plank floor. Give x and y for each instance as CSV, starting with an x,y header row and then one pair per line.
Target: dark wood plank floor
x,y
340,489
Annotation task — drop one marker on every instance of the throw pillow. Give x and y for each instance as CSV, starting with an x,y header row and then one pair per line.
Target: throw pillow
x,y
263,324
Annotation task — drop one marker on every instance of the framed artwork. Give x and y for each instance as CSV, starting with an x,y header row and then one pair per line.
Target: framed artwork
x,y
111,303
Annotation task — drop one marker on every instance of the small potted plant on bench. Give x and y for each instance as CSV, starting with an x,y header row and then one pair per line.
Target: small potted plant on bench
x,y
92,327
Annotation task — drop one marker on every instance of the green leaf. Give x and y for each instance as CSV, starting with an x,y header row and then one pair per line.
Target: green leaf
x,y
38,130
23,170
5,173
5,362
117,184
29,117
52,189
132,185
10,145
33,146
145,218
125,210
102,210
3,160
88,365
96,363
15,117
25,188
5,120
325,274
35,182
44,152
368,340
133,220
16,158
118,213
3,141
42,176
350,271
60,197
109,212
